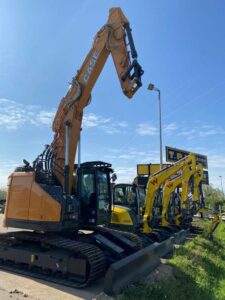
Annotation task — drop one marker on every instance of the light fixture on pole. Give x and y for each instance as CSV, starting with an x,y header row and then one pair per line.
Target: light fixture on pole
x,y
152,87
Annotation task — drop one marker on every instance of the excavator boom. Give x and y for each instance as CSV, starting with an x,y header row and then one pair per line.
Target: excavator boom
x,y
157,180
188,170
113,38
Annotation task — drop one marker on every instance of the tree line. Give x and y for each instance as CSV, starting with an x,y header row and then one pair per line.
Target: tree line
x,y
213,196
2,194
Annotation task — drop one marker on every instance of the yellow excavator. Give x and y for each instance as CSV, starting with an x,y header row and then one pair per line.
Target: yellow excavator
x,y
128,207
200,208
54,200
153,205
152,212
129,200
195,205
172,213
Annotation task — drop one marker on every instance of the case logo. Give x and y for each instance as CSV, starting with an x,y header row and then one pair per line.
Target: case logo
x,y
91,66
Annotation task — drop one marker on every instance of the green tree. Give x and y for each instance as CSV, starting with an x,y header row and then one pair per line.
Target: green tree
x,y
2,194
213,196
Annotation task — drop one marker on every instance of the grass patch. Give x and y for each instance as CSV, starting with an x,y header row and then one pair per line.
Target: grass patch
x,y
198,272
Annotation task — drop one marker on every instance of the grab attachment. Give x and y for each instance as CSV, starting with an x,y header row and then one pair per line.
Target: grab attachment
x,y
135,66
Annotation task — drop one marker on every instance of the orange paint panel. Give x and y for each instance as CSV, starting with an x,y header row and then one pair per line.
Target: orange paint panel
x,y
42,206
27,200
51,208
18,195
35,207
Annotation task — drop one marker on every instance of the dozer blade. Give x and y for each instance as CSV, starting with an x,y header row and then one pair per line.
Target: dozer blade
x,y
180,236
130,269
166,247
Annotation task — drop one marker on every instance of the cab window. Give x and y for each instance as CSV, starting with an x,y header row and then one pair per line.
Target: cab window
x,y
103,190
87,190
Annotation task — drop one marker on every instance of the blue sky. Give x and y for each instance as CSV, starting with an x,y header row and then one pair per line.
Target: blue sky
x,y
181,48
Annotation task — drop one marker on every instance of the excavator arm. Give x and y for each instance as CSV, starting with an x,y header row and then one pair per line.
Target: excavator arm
x,y
113,38
157,180
182,181
198,179
169,187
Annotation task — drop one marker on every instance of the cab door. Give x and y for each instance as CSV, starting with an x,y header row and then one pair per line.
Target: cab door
x,y
87,195
104,197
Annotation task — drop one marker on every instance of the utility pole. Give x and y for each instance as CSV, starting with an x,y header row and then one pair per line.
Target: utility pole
x,y
221,181
151,87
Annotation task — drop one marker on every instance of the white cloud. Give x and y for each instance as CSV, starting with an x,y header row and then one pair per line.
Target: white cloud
x,y
146,129
215,131
135,156
187,131
107,125
6,168
125,174
14,115
122,124
216,161
203,131
45,117
170,128
92,120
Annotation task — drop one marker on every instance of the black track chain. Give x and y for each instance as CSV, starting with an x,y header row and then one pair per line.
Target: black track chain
x,y
93,255
131,236
42,276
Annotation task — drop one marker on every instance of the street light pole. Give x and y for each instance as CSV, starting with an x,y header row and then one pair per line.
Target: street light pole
x,y
160,130
221,190
151,87
221,183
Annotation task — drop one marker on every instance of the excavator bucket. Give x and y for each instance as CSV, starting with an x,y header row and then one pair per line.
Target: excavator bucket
x,y
131,269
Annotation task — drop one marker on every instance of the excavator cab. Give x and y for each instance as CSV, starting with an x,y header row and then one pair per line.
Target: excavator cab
x,y
128,206
40,206
126,195
94,193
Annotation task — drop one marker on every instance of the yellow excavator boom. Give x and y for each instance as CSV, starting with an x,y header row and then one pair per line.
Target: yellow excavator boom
x,y
198,179
157,180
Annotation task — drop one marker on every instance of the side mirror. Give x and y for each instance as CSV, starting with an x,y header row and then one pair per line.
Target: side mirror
x,y
114,177
26,163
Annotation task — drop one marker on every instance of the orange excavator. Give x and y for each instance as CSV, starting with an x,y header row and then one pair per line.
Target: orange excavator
x,y
55,199
34,203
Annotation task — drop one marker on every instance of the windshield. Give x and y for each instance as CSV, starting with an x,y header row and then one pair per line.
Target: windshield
x,y
142,195
125,195
103,190
87,191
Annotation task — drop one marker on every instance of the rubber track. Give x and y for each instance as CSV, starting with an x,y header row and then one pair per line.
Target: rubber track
x,y
133,237
93,255
32,274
